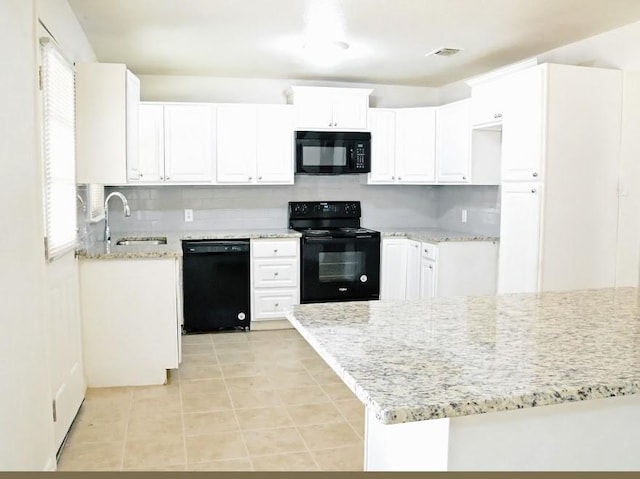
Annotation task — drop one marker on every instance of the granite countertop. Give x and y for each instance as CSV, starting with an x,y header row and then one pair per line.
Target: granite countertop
x,y
434,235
173,248
428,359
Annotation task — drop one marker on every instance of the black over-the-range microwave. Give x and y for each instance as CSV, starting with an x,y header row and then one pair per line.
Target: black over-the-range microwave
x,y
333,152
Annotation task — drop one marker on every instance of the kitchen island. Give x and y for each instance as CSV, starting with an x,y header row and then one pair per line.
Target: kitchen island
x,y
513,382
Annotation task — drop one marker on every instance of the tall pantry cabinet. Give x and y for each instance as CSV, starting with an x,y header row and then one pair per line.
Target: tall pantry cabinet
x,y
559,197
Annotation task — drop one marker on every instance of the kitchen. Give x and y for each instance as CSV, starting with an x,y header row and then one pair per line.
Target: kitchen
x,y
157,204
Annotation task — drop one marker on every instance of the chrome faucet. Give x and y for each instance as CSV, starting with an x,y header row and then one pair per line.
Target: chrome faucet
x,y
127,212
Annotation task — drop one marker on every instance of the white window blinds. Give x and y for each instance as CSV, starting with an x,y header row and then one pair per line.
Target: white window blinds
x,y
96,202
58,98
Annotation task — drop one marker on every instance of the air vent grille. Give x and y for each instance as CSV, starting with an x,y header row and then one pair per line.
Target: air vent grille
x,y
444,52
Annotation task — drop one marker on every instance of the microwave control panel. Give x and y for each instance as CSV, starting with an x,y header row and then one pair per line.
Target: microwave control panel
x,y
360,155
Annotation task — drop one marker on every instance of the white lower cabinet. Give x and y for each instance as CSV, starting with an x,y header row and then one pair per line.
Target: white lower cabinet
x,y
131,317
275,272
411,269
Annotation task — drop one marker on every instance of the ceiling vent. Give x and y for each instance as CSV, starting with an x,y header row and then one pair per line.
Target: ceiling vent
x,y
444,52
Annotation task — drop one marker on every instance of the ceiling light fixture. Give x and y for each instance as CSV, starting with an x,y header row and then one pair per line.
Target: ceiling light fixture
x,y
324,52
444,52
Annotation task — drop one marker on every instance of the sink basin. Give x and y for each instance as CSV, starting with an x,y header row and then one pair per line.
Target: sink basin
x,y
141,241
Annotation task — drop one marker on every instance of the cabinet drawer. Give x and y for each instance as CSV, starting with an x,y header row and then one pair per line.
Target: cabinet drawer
x,y
273,303
275,249
268,273
429,250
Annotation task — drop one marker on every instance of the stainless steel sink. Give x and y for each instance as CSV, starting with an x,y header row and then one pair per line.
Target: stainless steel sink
x,y
142,241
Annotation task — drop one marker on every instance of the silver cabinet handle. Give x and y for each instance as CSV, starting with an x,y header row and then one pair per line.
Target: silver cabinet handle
x,y
275,251
533,190
250,178
464,177
399,178
277,304
259,177
535,174
393,177
166,178
430,267
140,175
497,115
275,274
162,177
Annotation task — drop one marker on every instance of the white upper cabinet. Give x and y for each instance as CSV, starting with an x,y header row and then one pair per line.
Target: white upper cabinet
x,y
236,139
382,123
416,145
274,162
189,149
107,97
523,125
487,102
255,144
323,108
151,143
453,142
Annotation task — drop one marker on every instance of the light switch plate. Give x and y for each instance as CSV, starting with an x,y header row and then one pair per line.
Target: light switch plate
x,y
188,216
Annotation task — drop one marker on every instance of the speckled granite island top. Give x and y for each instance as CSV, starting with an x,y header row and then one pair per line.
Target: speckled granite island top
x,y
418,360
434,235
173,248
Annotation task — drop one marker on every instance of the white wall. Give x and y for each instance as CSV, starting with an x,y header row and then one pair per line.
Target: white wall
x,y
263,90
26,431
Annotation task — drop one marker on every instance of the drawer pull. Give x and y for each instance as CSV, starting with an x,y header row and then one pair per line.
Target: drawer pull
x,y
277,304
275,274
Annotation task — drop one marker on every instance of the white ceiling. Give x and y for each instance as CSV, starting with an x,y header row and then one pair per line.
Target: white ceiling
x,y
388,39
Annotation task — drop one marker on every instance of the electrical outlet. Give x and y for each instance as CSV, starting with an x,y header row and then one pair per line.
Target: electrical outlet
x,y
464,216
188,215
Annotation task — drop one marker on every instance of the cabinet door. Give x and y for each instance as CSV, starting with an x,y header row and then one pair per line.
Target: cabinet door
x,y
189,152
393,279
413,270
523,126
382,123
133,102
236,143
151,143
313,111
487,103
349,111
274,162
416,145
518,257
427,278
453,142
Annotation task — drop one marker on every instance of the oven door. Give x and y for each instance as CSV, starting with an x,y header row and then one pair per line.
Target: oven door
x,y
340,269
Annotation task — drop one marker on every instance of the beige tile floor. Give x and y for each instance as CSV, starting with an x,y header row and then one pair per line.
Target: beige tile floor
x,y
254,401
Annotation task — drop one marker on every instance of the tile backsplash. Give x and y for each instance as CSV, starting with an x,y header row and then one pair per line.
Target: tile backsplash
x,y
161,208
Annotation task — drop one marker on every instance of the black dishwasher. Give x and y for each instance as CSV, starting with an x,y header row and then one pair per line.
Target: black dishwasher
x,y
216,282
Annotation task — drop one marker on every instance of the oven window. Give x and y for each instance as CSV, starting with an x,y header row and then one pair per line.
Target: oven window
x,y
341,266
324,155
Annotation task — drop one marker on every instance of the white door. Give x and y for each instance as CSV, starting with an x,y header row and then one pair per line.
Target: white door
x,y
382,123
189,139
453,142
236,138
393,274
427,278
64,343
274,149
487,102
416,145
519,250
523,126
151,143
413,270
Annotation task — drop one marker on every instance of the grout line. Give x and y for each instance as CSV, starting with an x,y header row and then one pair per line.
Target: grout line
x,y
233,406
126,428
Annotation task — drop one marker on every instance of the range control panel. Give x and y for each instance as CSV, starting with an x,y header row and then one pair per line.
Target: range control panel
x,y
324,209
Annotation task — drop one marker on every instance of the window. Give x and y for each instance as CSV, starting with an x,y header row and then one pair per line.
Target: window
x,y
95,194
58,97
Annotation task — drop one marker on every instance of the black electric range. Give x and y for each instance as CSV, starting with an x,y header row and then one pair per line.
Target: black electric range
x,y
340,260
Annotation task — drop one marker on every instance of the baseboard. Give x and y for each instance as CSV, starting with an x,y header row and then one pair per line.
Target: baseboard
x,y
270,324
